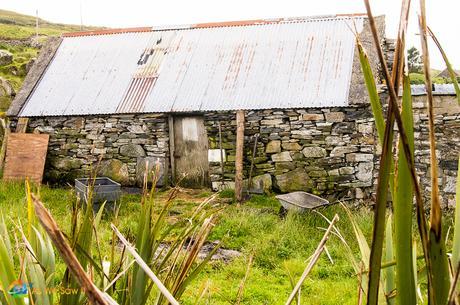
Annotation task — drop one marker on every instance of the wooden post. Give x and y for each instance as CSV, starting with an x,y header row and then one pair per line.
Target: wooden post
x,y
239,155
6,128
172,148
22,125
221,155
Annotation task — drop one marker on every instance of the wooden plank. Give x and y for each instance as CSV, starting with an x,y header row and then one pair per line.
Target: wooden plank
x,y
191,151
172,148
239,155
25,156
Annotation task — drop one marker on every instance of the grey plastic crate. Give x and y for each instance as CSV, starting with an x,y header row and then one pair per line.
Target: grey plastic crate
x,y
105,189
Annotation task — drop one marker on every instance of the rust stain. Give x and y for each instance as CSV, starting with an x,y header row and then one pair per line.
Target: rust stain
x,y
236,23
143,79
307,61
322,59
108,32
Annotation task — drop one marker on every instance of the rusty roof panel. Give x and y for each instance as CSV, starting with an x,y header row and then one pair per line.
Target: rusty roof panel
x,y
280,63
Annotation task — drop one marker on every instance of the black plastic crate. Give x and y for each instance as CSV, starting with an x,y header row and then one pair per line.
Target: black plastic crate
x,y
105,189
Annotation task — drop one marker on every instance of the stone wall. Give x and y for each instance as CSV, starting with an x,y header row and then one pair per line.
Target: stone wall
x,y
447,132
326,151
331,151
122,142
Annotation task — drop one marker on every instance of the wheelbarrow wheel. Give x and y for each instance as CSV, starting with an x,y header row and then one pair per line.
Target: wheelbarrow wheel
x,y
282,212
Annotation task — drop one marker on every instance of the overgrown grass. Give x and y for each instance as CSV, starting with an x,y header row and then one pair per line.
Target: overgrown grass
x,y
255,227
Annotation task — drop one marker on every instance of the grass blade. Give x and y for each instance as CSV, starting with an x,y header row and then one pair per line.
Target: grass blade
x,y
56,235
146,268
456,244
437,247
393,114
374,97
402,205
453,77
389,272
314,259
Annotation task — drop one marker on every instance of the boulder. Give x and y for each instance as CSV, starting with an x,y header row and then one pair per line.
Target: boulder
x,y
115,170
132,150
261,183
296,180
150,164
6,58
314,152
6,89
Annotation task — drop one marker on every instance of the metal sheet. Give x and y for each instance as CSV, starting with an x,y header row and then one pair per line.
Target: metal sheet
x,y
260,65
439,89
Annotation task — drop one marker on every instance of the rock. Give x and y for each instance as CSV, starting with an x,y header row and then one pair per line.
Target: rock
x,y
6,89
343,128
340,151
6,58
136,129
333,172
347,170
153,163
261,183
274,122
334,140
335,117
356,157
115,170
296,180
314,152
30,64
284,156
292,146
364,172
359,194
132,150
366,128
450,184
273,147
66,164
312,117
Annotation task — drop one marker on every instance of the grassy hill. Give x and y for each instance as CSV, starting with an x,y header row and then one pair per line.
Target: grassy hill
x,y
18,36
14,26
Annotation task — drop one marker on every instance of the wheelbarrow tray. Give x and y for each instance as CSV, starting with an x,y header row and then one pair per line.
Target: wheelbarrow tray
x,y
301,201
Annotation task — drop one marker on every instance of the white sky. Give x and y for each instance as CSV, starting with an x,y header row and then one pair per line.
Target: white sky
x,y
443,15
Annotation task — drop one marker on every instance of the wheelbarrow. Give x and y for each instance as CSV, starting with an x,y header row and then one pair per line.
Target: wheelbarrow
x,y
300,201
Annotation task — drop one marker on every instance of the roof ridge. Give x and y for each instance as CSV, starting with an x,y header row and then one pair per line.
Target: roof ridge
x,y
249,22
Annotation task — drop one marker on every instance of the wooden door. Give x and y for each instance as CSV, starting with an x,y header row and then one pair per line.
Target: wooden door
x,y
191,152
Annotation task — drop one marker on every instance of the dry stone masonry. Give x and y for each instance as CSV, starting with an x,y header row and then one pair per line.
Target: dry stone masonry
x,y
123,143
325,151
332,152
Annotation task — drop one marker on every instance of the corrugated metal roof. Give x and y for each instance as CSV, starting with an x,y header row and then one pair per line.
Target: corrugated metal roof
x,y
439,89
259,65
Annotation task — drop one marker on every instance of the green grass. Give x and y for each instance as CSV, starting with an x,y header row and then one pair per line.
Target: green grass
x,y
18,26
254,227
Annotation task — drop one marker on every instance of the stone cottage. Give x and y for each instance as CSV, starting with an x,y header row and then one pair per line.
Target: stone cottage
x,y
170,95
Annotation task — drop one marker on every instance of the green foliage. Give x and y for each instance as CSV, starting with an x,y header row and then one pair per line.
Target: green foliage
x,y
414,60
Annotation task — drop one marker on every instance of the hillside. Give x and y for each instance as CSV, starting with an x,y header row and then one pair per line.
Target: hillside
x,y
18,37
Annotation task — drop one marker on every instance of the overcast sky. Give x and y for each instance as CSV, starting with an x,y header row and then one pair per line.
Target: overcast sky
x,y
443,15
